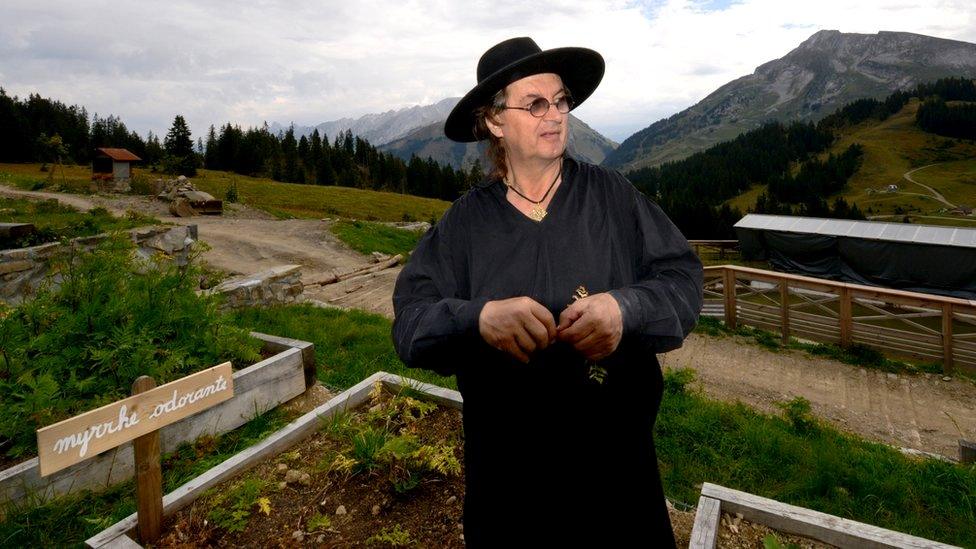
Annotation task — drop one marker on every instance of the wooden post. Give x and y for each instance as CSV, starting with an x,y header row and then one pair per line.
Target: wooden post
x,y
967,451
728,291
784,310
149,477
846,320
947,364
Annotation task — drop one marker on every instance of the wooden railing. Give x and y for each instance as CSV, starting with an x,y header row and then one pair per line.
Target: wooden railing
x,y
923,326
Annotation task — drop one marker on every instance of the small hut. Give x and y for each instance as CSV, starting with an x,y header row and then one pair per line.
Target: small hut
x,y
113,166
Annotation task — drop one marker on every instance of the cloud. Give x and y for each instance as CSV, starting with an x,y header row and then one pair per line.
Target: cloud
x,y
312,61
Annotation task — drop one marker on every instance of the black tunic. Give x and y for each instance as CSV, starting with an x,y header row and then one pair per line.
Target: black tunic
x,y
551,456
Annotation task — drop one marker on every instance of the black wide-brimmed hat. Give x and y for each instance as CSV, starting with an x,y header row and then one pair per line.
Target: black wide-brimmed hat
x,y
581,70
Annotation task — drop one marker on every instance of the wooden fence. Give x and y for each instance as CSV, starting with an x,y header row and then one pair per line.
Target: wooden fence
x,y
715,249
926,327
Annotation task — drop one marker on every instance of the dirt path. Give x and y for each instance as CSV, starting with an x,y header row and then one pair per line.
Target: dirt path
x,y
935,194
917,411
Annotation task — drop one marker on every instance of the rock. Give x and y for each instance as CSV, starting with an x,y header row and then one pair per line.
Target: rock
x,y
892,376
451,500
375,510
323,502
298,535
282,467
946,378
321,539
282,485
295,475
340,510
306,479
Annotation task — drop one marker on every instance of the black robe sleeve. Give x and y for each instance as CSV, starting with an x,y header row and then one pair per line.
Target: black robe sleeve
x,y
661,308
433,327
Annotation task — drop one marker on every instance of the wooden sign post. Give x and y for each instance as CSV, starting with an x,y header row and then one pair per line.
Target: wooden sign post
x,y
137,418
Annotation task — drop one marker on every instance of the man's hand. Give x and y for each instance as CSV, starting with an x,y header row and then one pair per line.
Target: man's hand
x,y
592,325
519,326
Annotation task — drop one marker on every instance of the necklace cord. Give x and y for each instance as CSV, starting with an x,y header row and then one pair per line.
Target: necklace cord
x,y
551,185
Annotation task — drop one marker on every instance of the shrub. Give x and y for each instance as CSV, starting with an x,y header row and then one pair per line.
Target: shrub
x,y
113,318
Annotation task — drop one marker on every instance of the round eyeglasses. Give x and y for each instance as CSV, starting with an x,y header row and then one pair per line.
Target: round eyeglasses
x,y
540,106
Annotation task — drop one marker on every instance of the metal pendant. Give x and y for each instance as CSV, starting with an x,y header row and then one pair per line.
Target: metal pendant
x,y
537,213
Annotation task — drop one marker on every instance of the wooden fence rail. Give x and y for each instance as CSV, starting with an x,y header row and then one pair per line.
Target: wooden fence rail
x,y
927,327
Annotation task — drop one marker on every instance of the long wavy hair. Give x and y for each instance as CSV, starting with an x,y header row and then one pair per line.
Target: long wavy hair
x,y
498,168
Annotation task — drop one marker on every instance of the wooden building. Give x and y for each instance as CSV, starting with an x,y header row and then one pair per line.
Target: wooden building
x,y
113,165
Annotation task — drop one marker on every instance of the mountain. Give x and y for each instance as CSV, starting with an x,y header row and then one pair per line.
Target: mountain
x,y
825,72
380,128
585,143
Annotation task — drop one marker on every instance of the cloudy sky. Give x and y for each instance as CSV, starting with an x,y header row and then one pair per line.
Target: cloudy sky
x,y
311,61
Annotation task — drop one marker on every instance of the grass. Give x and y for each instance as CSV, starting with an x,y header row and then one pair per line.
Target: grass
x,y
55,221
288,200
366,237
349,345
69,521
75,179
798,460
855,355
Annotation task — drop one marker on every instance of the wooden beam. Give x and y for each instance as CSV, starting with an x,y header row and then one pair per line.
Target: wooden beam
x,y
728,291
812,524
149,476
784,307
947,364
704,534
846,321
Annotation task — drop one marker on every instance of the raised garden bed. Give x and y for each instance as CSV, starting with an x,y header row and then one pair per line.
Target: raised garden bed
x,y
287,373
785,522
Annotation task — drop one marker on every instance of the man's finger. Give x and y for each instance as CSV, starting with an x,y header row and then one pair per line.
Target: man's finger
x,y
569,315
578,330
524,341
545,318
537,331
513,349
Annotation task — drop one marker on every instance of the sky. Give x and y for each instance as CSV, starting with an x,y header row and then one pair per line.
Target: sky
x,y
307,62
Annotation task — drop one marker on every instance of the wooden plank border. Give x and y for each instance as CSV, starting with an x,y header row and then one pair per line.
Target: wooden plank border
x,y
812,524
704,534
288,436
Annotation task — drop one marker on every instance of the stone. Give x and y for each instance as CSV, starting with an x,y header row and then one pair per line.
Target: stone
x,y
321,539
946,378
305,480
375,510
282,467
452,500
282,485
340,510
15,266
298,535
293,476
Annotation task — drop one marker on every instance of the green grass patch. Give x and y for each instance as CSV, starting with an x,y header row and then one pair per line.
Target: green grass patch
x,y
55,221
798,460
292,200
366,237
69,521
855,355
349,345
47,177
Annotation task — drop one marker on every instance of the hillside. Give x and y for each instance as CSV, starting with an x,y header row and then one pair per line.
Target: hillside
x,y
825,72
892,148
585,143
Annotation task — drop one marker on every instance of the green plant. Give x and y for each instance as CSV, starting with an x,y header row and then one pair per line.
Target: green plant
x,y
394,537
113,317
231,194
318,522
798,412
230,509
676,381
773,542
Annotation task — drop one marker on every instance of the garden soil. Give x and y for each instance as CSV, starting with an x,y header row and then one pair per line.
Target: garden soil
x,y
921,412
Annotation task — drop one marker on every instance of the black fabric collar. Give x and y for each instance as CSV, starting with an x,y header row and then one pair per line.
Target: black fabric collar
x,y
570,165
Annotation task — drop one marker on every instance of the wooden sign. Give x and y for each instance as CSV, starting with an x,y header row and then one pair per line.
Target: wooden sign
x,y
76,439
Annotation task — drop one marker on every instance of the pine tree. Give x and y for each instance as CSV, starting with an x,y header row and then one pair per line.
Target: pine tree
x,y
179,149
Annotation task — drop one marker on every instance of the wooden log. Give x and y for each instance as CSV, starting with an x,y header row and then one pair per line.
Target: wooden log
x,y
149,475
704,534
336,276
784,310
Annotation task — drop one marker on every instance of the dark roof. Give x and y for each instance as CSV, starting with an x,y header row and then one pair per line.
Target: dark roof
x,y
119,155
873,230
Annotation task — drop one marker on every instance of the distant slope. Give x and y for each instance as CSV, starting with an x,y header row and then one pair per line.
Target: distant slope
x,y
585,143
892,148
825,72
